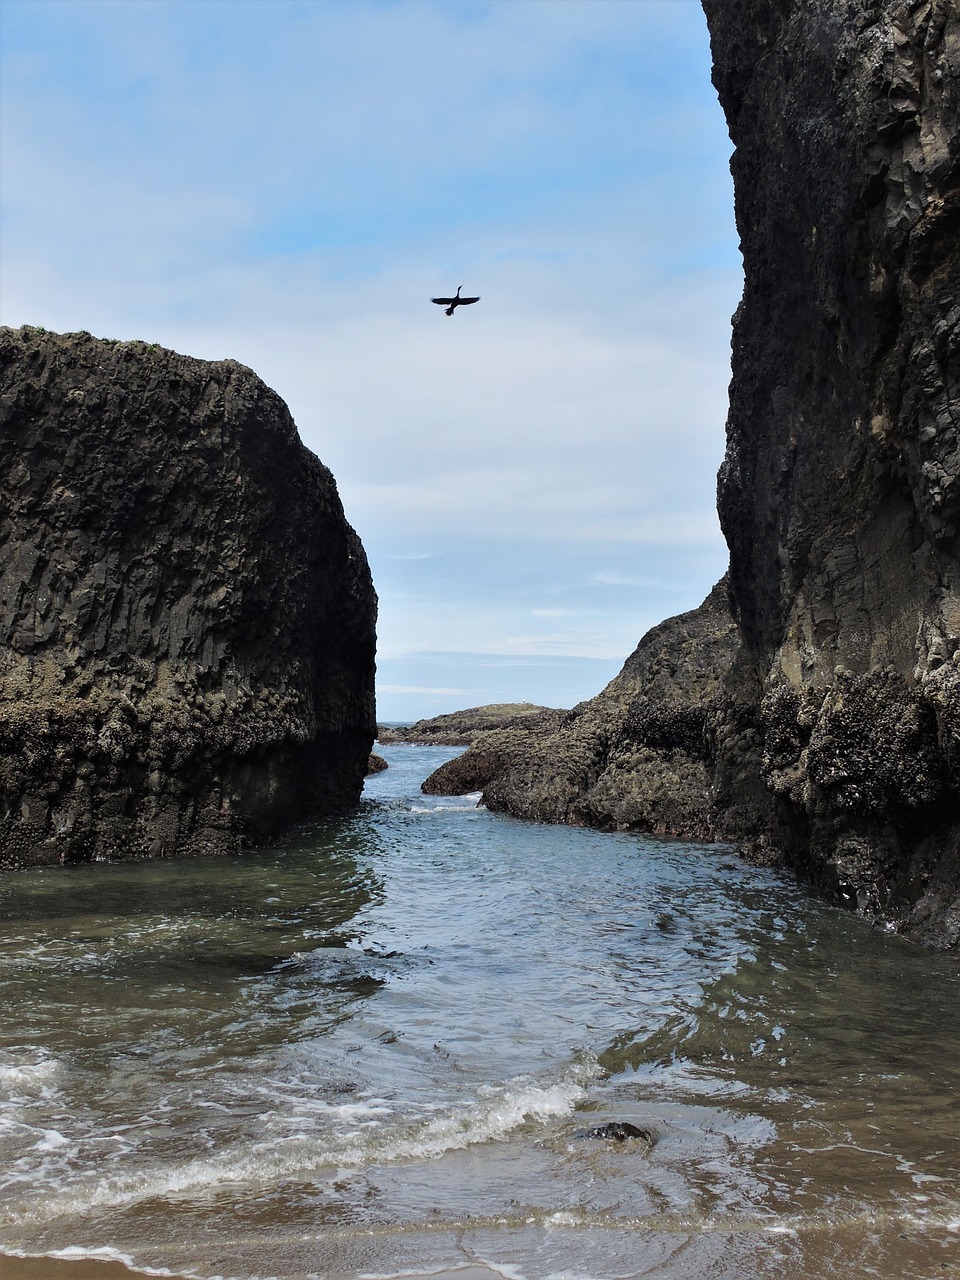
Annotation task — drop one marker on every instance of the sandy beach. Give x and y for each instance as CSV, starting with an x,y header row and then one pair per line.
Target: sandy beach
x,y
12,1268
58,1269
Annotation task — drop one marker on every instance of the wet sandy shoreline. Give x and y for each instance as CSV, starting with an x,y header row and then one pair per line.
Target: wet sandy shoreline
x,y
14,1268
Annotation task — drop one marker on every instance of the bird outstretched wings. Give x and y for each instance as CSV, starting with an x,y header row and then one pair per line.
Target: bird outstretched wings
x,y
452,303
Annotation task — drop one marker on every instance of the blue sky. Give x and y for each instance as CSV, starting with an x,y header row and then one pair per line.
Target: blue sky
x,y
288,182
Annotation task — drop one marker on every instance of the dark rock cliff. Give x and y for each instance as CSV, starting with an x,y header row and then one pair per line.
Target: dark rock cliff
x,y
834,745
187,622
840,491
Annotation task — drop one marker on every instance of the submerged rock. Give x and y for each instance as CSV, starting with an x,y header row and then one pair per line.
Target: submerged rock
x,y
620,1131
187,622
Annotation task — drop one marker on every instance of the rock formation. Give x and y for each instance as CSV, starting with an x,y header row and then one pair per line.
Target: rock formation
x,y
187,622
637,757
840,491
459,728
835,745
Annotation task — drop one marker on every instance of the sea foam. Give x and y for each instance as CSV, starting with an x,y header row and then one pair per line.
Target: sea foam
x,y
494,1112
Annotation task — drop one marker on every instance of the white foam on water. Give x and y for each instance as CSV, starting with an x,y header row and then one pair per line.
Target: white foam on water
x,y
33,1074
495,1268
565,1218
948,1219
372,1138
466,803
443,808
52,1140
28,1080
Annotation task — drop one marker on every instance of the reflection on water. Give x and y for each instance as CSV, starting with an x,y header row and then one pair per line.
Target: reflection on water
x,y
384,1045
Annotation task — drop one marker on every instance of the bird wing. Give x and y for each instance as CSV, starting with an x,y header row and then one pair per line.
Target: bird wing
x,y
445,302
466,300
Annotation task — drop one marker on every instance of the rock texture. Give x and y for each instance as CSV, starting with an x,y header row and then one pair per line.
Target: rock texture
x,y
639,756
459,728
840,491
834,743
187,622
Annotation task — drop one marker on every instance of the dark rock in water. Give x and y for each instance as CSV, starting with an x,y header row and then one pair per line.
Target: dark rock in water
x,y
823,729
376,764
620,1131
477,767
459,728
636,757
840,491
187,622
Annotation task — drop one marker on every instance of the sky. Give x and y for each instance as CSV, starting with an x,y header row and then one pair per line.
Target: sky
x,y
287,183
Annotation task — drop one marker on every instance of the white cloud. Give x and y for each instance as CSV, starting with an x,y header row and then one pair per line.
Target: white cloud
x,y
288,184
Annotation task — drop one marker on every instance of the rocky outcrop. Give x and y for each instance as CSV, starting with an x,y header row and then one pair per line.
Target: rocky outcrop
x,y
834,744
186,619
840,491
460,728
640,756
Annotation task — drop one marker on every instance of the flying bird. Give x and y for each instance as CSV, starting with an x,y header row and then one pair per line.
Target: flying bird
x,y
452,303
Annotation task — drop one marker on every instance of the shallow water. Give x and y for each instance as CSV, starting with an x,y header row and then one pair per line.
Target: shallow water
x,y
382,1048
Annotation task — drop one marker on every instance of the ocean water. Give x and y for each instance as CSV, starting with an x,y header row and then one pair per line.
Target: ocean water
x,y
381,1049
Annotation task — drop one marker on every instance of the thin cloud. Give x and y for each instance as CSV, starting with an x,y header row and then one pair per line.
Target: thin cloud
x,y
288,184
613,579
424,688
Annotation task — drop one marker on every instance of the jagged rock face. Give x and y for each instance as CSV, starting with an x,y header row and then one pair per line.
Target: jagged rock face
x,y
840,491
187,622
830,738
639,756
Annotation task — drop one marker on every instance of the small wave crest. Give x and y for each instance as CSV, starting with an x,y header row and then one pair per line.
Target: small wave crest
x,y
467,803
27,1072
364,1140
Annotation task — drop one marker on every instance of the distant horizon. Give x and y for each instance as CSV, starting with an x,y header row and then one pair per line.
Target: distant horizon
x,y
400,724
289,185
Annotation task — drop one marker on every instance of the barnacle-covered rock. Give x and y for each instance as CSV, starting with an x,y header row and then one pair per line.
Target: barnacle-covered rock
x,y
637,757
186,619
824,731
840,491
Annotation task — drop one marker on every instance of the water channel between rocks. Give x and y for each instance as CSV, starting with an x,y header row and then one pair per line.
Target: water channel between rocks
x,y
382,1049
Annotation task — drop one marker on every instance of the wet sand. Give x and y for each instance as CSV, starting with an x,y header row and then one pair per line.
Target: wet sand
x,y
57,1269
90,1269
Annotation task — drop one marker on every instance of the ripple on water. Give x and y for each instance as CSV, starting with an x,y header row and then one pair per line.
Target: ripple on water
x,y
384,1042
